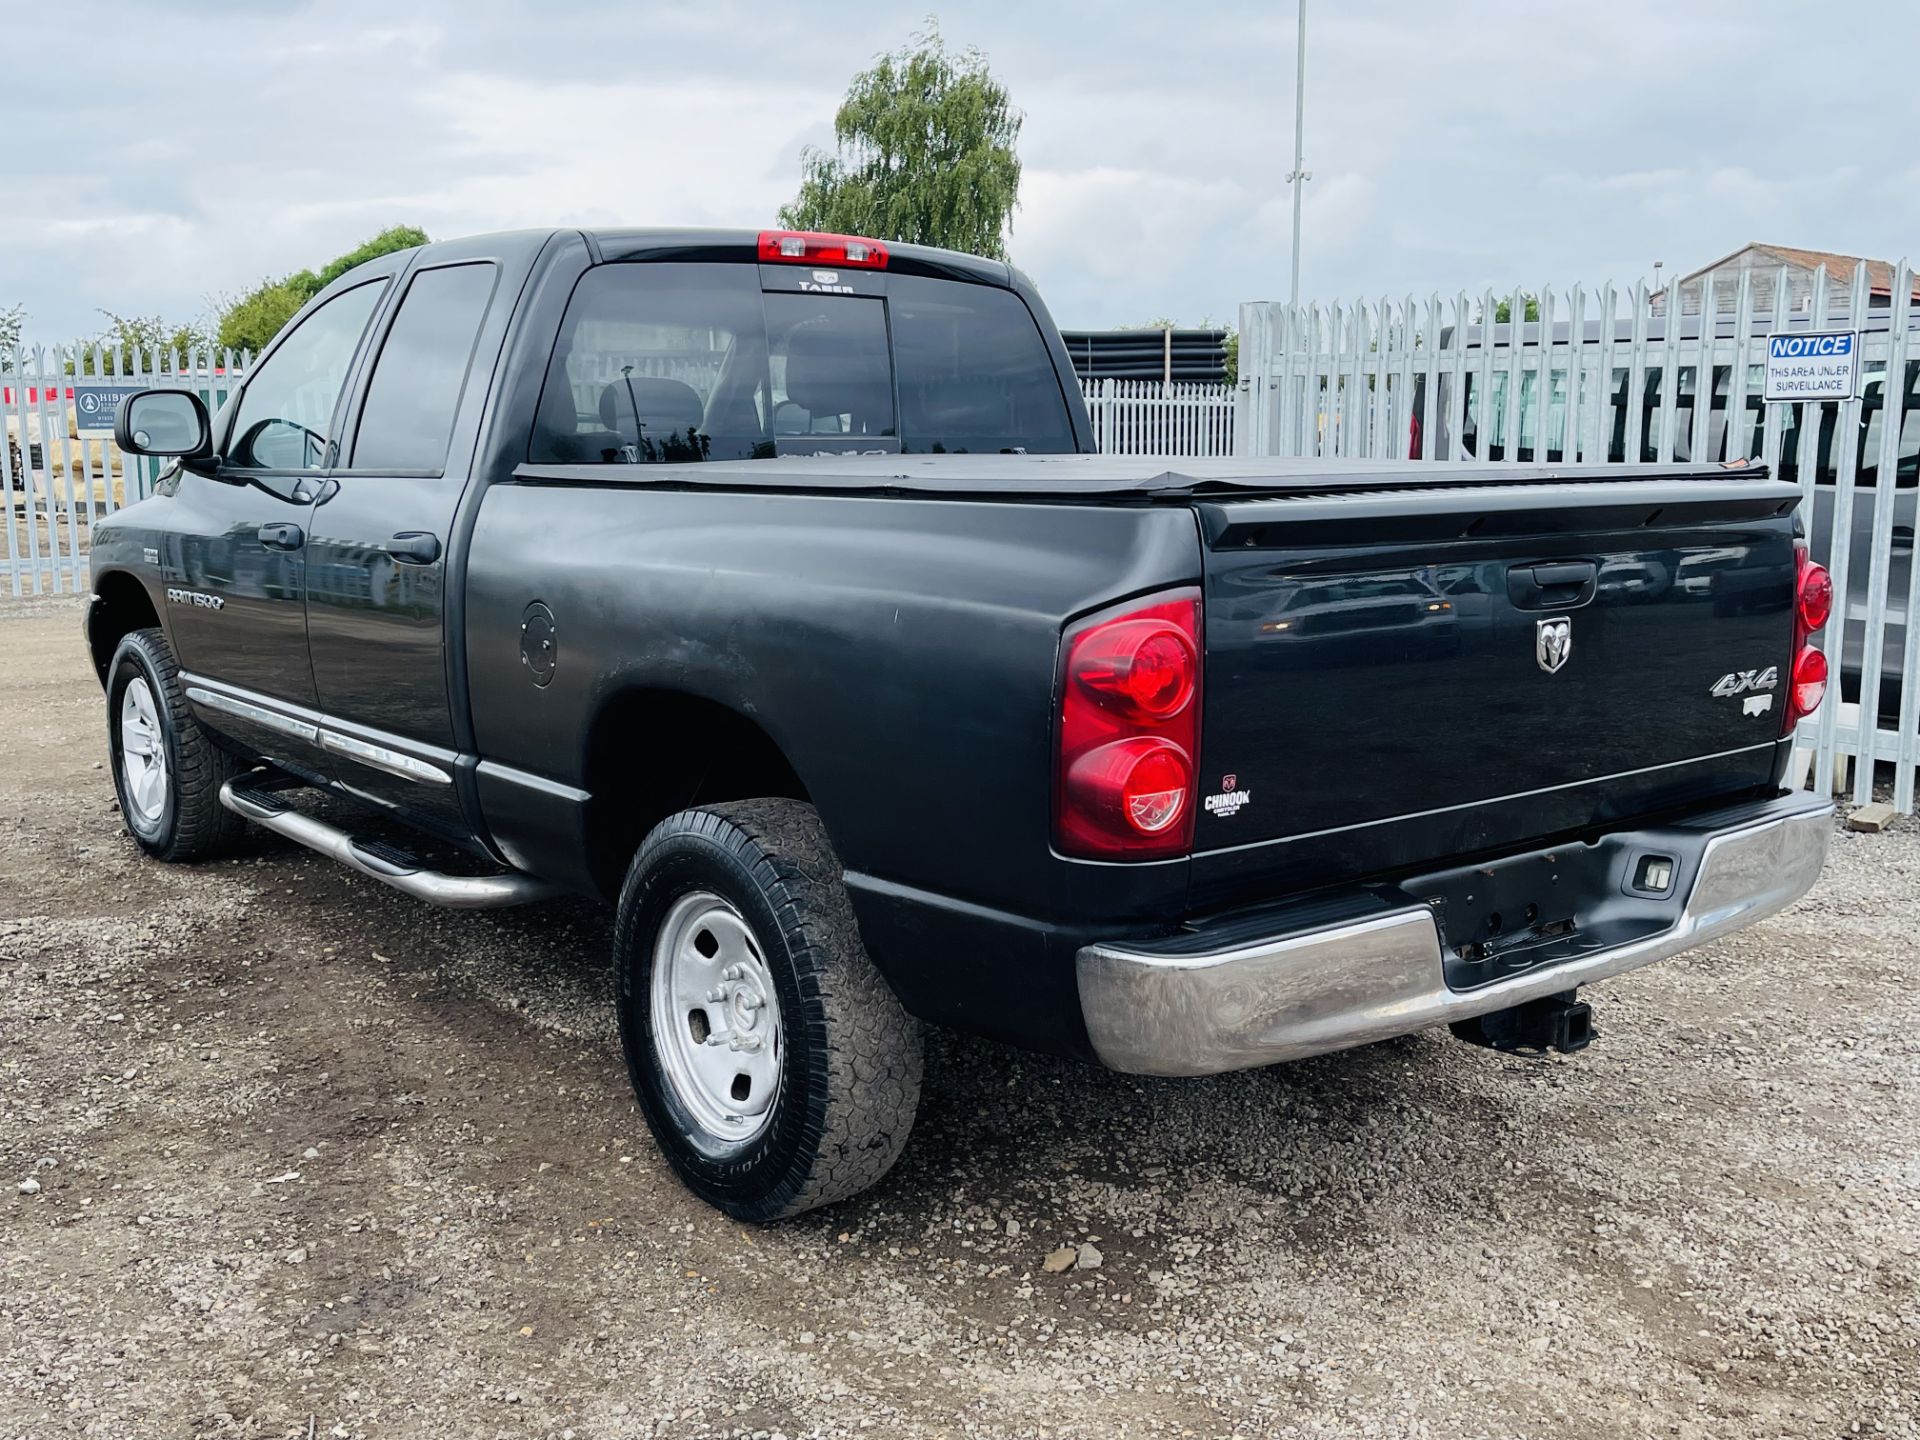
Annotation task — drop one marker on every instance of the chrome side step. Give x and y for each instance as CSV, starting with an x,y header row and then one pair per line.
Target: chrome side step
x,y
379,861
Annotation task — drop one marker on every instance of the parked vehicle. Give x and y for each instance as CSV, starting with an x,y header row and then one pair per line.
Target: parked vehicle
x,y
575,550
1542,432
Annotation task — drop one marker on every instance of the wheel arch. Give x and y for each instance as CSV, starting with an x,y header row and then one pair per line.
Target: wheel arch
x,y
652,750
120,606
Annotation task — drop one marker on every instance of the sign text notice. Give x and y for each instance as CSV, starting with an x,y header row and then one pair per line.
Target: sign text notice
x,y
1812,367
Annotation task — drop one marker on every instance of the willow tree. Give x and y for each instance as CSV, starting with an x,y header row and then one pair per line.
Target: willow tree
x,y
924,154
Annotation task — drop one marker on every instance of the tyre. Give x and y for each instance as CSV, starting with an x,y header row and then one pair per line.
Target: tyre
x,y
167,770
774,1065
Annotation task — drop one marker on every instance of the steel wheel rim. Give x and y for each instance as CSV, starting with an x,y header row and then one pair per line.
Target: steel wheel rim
x,y
143,751
716,1018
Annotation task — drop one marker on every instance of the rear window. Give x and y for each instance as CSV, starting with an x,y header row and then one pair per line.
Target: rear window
x,y
974,372
686,362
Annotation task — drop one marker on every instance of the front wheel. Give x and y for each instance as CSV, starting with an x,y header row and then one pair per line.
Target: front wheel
x,y
776,1069
167,770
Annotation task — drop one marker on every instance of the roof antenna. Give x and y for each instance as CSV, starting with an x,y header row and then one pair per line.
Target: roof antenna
x,y
639,426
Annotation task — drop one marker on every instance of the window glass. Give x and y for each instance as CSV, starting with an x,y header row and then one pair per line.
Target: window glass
x,y
285,417
974,372
829,370
675,362
415,390
657,363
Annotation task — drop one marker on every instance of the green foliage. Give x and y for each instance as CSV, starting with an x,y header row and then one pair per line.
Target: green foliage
x,y
150,332
394,237
926,154
153,338
1503,311
13,320
256,317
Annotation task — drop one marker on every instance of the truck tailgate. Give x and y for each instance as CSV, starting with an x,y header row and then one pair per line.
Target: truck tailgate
x,y
1396,677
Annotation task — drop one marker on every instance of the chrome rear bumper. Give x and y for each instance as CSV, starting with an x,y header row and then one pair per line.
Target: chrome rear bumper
x,y
1294,995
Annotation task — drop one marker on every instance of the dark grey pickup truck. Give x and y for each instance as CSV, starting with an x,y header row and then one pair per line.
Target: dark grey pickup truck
x,y
761,584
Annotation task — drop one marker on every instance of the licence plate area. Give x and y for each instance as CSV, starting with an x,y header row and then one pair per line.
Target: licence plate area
x,y
1505,917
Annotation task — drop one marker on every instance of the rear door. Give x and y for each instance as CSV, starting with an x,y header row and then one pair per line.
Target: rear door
x,y
382,531
1397,677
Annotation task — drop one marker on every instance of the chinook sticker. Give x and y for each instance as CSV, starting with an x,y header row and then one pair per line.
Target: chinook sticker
x,y
1231,799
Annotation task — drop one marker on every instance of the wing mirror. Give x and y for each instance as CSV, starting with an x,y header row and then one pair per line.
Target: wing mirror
x,y
167,424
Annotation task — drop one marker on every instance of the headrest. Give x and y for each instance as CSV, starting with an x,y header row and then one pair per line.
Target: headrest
x,y
833,372
667,407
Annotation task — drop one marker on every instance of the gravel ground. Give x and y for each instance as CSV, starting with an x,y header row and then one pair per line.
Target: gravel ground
x,y
283,1153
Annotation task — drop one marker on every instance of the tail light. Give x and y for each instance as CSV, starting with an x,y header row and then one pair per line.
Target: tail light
x,y
1812,605
809,247
1130,731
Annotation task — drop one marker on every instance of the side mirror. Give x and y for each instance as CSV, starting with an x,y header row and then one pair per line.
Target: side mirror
x,y
169,424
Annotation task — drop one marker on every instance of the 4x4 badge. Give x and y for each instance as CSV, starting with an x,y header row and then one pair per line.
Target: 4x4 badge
x,y
1553,643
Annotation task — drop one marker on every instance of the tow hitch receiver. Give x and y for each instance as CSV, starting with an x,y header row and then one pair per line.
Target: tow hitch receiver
x,y
1553,1022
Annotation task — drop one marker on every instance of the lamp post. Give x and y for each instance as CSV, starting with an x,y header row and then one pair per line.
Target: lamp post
x,y
1299,175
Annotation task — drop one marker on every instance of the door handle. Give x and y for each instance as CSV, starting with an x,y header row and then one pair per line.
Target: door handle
x,y
1552,587
414,547
282,535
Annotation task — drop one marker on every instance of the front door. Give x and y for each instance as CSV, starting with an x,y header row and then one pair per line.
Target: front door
x,y
237,611
377,555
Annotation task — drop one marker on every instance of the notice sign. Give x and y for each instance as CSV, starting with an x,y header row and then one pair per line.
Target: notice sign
x,y
1812,367
94,402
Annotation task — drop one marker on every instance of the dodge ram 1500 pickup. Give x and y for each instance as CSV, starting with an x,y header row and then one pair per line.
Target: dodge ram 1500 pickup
x,y
763,584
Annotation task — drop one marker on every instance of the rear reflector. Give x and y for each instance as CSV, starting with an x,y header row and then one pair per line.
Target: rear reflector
x,y
810,247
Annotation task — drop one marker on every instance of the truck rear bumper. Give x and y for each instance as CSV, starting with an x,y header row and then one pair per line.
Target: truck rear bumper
x,y
1173,1008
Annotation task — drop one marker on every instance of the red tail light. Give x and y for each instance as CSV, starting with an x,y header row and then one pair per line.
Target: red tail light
x,y
1812,605
809,247
1816,595
1130,731
1809,682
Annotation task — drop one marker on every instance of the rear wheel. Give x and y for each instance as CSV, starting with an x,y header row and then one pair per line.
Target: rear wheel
x,y
167,770
774,1066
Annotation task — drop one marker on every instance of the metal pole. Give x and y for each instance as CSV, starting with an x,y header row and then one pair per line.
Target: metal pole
x,y
1300,175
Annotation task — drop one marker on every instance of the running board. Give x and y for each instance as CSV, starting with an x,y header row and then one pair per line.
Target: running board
x,y
388,864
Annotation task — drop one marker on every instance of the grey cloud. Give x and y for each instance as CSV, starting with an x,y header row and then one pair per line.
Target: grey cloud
x,y
166,153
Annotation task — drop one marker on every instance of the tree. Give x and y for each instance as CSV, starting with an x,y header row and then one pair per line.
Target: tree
x,y
13,320
1503,310
150,332
256,317
926,155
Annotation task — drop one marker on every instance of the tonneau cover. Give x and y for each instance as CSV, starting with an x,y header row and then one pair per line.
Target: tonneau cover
x,y
1111,477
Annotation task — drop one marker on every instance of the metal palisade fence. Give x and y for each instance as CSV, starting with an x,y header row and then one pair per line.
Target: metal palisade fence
x,y
61,470
1612,378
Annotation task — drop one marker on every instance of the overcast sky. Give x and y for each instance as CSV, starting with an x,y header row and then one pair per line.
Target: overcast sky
x,y
160,155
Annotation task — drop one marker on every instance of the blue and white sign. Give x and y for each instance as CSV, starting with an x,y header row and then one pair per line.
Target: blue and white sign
x,y
1812,367
94,402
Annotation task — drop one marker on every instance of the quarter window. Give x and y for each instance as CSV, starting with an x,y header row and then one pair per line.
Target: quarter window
x,y
415,389
285,419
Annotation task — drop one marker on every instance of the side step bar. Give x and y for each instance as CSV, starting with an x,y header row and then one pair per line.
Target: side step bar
x,y
385,863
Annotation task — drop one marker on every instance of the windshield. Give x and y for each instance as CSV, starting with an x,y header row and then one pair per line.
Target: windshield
x,y
687,362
